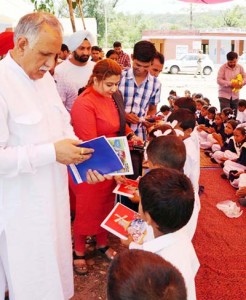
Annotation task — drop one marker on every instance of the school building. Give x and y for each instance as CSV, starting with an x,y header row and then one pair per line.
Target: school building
x,y
216,42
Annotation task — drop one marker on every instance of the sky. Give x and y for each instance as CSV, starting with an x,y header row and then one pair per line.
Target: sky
x,y
170,6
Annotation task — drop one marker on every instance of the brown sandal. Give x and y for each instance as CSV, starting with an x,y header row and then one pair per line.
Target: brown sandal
x,y
108,252
79,264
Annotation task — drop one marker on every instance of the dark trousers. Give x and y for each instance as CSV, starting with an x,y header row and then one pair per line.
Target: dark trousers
x,y
228,103
137,161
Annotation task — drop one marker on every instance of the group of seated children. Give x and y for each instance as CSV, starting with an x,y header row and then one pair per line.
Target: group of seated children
x,y
223,137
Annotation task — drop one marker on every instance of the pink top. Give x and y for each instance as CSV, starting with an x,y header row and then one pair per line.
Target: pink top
x,y
225,75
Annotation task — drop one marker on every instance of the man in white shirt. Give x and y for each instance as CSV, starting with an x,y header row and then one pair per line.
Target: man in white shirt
x,y
75,72
36,143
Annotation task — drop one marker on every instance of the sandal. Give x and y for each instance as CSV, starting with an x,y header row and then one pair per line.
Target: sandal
x,y
108,252
79,264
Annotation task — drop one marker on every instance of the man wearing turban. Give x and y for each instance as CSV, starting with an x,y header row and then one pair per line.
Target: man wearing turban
x,y
74,73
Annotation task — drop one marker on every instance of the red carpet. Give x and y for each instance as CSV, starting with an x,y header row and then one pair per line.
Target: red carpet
x,y
220,243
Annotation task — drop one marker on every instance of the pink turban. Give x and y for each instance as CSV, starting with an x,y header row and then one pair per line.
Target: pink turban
x,y
6,42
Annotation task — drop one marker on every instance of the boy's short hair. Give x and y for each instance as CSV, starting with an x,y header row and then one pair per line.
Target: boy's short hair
x,y
64,47
144,51
117,44
165,108
167,151
186,102
168,197
160,57
231,55
242,103
184,117
143,275
96,48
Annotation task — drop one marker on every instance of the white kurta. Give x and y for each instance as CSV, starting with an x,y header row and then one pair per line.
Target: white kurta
x,y
34,201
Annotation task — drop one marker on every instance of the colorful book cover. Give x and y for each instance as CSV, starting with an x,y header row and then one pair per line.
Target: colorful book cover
x,y
104,160
120,145
128,188
124,222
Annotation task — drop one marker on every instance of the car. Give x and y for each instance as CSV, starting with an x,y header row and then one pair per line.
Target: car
x,y
188,63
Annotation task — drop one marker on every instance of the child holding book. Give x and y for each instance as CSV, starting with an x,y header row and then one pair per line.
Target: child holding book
x,y
167,201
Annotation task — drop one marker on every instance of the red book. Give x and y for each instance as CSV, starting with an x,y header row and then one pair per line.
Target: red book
x,y
128,188
123,221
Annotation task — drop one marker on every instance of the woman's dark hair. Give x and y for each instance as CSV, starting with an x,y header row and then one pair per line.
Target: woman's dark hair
x,y
110,52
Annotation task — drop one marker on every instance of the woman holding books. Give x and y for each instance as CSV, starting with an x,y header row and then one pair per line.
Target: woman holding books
x,y
98,111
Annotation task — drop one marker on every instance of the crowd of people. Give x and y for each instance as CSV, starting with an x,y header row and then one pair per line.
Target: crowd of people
x,y
45,116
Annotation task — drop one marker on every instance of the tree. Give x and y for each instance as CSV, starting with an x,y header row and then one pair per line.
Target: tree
x,y
44,5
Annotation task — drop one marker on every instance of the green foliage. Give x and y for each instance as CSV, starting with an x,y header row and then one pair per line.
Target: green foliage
x,y
44,5
128,28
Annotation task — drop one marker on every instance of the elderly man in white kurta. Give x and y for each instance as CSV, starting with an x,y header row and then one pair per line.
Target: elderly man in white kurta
x,y
36,142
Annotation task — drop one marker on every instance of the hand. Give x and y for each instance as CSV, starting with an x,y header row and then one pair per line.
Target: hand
x,y
93,177
120,179
147,124
136,197
132,118
241,192
68,152
127,242
136,138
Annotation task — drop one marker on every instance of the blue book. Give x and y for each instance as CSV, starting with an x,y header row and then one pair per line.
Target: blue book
x,y
104,160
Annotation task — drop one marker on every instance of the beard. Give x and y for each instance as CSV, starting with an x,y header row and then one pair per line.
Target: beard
x,y
80,58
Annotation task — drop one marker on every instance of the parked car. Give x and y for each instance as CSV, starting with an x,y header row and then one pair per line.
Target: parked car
x,y
188,63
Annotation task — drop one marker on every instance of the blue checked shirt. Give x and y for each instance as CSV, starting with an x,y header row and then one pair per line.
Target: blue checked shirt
x,y
138,98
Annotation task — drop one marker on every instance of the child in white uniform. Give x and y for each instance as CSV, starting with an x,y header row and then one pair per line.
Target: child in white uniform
x,y
167,201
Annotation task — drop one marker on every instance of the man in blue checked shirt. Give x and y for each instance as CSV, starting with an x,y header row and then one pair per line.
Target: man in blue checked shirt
x,y
141,93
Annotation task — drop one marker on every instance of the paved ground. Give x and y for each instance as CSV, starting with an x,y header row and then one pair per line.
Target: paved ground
x,y
181,82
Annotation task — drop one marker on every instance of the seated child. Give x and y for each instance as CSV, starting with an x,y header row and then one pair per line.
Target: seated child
x,y
237,162
143,275
202,117
167,202
187,93
241,111
199,105
224,142
227,114
217,131
208,127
